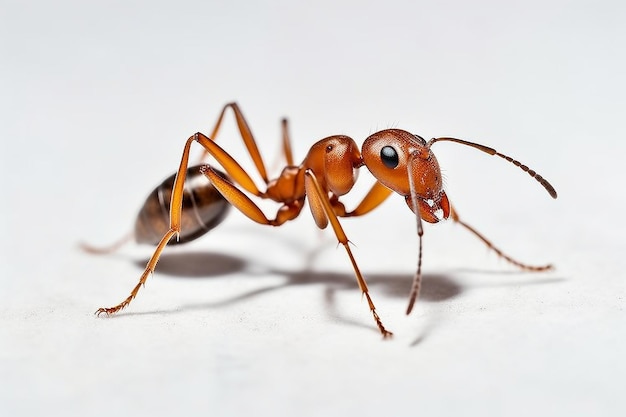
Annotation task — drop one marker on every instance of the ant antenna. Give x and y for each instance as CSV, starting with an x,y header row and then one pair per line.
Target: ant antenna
x,y
549,188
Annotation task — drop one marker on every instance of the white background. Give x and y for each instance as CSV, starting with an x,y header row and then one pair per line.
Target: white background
x,y
97,101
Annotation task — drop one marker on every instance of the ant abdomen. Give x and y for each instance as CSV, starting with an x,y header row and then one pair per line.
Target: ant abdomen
x,y
203,209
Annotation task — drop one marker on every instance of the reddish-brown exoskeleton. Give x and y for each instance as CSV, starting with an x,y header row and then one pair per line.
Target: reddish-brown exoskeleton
x,y
400,161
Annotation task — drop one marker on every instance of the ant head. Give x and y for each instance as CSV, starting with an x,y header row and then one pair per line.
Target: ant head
x,y
394,155
404,163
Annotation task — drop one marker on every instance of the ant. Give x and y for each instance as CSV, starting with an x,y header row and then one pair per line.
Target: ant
x,y
186,205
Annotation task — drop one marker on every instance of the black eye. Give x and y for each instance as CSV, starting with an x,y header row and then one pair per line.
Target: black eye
x,y
389,156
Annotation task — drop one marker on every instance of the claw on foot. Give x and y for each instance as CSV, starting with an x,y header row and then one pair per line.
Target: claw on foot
x,y
108,311
386,334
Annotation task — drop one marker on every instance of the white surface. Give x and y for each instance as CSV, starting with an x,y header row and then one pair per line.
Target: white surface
x,y
97,102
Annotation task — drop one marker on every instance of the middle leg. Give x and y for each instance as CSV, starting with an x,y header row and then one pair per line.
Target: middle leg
x,y
318,200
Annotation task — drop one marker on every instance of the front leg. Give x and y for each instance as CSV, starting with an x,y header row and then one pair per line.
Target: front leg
x,y
534,268
374,198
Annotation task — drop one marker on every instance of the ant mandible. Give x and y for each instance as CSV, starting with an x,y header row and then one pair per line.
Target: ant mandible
x,y
400,162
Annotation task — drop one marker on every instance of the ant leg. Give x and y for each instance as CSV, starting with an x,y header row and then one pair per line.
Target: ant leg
x,y
246,135
144,276
286,148
244,204
176,206
96,250
323,213
229,164
175,220
455,217
286,142
374,198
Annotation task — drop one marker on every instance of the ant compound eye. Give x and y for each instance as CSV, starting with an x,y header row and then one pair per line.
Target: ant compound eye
x,y
389,156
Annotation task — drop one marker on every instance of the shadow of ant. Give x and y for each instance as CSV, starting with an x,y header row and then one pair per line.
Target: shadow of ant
x,y
435,287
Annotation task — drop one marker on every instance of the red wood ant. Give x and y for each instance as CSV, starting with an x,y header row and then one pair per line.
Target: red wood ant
x,y
401,162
